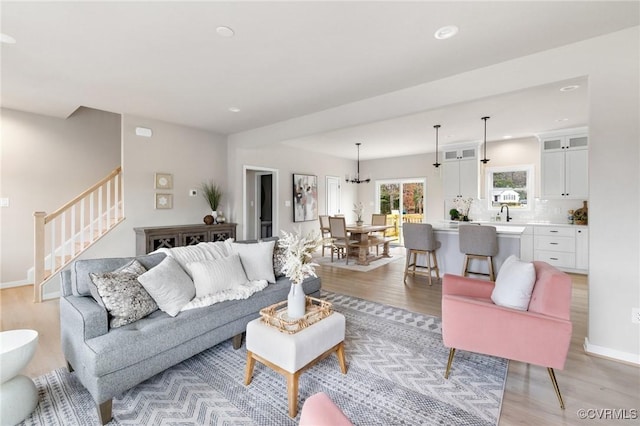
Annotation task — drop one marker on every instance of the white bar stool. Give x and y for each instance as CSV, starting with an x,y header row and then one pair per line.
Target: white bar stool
x,y
420,239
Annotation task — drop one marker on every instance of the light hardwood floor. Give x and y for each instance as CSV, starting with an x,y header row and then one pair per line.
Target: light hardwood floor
x,y
587,382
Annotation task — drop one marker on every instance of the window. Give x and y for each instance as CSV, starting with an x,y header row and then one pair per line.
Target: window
x,y
511,185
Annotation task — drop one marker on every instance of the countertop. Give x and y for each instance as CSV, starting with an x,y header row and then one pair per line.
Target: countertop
x,y
452,226
516,223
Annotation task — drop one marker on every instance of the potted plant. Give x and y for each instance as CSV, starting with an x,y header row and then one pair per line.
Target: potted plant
x,y
455,214
212,193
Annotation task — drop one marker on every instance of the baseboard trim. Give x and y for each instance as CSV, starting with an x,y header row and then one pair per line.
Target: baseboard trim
x,y
50,296
611,354
11,284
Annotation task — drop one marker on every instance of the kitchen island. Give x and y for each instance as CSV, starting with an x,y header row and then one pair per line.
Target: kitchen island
x,y
450,259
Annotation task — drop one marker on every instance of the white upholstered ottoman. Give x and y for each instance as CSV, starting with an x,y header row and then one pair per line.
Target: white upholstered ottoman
x,y
291,354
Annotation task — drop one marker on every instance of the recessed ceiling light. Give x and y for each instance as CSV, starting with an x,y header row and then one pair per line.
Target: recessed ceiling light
x,y
6,38
234,109
507,137
559,120
446,32
569,88
225,32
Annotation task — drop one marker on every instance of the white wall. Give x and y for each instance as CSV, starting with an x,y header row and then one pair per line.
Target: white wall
x,y
45,162
611,63
614,193
192,156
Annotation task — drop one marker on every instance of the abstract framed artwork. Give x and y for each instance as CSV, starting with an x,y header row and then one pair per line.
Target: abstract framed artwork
x,y
164,201
305,197
164,181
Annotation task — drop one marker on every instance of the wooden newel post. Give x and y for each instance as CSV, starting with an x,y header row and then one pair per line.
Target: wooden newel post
x,y
38,255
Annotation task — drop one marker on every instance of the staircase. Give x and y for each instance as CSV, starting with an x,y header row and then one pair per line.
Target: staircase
x,y
61,236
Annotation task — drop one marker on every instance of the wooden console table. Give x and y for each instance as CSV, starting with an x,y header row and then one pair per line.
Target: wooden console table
x,y
149,239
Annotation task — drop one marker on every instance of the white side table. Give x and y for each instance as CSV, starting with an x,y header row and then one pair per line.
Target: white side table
x,y
18,394
291,354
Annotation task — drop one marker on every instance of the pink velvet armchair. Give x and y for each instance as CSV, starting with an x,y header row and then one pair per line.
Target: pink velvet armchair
x,y
541,335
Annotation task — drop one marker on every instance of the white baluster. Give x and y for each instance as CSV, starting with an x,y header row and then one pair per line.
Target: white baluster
x,y
91,214
52,256
73,230
63,238
100,211
82,230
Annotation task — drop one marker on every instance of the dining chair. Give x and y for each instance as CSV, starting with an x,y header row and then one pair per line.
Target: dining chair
x,y
341,241
420,239
478,242
377,238
325,232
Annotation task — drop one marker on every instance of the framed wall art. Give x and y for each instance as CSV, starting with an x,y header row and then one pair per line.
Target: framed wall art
x,y
305,197
164,201
164,181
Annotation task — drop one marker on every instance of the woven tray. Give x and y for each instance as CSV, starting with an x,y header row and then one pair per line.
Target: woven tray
x,y
276,315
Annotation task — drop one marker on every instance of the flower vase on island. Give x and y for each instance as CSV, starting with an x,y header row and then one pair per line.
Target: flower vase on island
x,y
298,265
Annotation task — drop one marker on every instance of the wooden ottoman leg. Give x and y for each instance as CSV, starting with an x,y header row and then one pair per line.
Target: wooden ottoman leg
x,y
292,392
248,372
341,358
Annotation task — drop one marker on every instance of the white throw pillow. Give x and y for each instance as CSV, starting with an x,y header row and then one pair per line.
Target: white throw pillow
x,y
213,276
169,285
514,284
257,260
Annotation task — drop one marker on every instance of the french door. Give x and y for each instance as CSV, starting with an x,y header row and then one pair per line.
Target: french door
x,y
402,200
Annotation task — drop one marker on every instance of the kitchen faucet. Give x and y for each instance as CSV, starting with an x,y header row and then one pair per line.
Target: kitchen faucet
x,y
501,208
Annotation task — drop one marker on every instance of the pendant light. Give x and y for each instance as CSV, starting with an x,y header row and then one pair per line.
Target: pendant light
x,y
485,160
357,178
436,164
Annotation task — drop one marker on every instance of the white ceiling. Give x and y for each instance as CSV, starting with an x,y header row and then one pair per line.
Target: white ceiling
x,y
164,60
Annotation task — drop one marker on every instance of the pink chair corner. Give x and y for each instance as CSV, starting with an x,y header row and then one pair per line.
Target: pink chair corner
x,y
540,336
319,410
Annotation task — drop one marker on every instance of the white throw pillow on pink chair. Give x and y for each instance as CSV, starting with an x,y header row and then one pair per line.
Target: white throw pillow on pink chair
x,y
514,284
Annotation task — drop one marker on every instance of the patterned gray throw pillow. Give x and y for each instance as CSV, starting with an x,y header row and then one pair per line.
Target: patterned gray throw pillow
x,y
278,260
123,296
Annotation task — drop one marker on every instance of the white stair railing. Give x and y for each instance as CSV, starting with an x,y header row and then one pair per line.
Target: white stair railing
x,y
63,235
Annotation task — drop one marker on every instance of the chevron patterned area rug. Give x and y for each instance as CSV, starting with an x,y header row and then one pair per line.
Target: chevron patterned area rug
x,y
395,360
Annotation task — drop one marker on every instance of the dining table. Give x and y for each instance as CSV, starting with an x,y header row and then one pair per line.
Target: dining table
x,y
361,234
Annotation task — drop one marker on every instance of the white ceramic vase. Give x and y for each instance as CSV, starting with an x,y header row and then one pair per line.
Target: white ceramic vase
x,y
296,302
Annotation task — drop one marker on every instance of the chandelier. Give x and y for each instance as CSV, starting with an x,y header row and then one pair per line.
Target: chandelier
x,y
357,179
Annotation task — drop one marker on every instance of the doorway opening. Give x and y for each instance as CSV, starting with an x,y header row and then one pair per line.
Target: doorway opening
x,y
333,195
402,200
260,195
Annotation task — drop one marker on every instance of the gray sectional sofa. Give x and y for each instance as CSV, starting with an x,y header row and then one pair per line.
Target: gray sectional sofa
x,y
110,361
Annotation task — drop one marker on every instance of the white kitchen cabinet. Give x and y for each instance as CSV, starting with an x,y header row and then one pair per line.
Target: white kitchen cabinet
x,y
565,165
460,173
565,247
582,248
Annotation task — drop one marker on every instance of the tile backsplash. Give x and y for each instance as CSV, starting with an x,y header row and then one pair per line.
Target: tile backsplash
x,y
552,211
